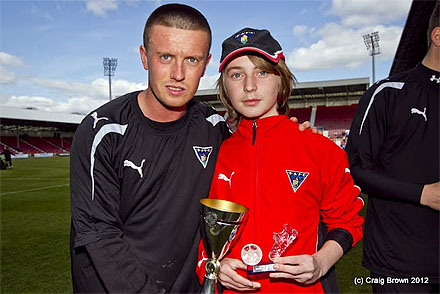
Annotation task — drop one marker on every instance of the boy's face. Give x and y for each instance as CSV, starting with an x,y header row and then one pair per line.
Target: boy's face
x,y
252,91
176,60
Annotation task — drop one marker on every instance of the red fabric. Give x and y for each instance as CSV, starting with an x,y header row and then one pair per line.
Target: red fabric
x,y
256,176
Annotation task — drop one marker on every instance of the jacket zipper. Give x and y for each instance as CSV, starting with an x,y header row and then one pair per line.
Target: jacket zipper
x,y
254,131
254,135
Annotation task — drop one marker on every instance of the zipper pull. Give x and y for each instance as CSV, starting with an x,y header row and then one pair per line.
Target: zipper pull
x,y
254,131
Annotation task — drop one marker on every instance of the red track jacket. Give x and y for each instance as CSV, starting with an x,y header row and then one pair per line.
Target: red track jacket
x,y
285,176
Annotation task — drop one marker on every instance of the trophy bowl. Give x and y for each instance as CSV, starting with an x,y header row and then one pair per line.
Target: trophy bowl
x,y
220,222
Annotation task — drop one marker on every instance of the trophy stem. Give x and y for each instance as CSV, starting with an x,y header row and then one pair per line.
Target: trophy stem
x,y
208,286
220,222
212,269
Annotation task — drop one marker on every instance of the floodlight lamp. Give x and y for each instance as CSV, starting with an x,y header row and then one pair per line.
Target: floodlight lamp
x,y
110,65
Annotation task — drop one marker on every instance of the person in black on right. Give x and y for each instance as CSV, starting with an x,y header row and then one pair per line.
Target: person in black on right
x,y
393,151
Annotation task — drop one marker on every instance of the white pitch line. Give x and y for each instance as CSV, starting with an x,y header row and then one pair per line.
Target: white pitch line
x,y
36,189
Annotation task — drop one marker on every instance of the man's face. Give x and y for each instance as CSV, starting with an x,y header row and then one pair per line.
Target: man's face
x,y
176,60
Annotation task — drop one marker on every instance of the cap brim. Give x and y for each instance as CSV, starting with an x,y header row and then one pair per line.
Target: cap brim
x,y
273,58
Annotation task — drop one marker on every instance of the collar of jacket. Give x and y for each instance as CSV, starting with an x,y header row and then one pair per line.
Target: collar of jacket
x,y
264,125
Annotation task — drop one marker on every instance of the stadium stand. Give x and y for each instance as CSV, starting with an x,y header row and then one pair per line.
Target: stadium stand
x,y
31,132
10,142
63,144
329,104
302,114
33,145
335,117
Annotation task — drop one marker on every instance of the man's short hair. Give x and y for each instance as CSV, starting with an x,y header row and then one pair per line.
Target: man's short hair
x,y
178,16
434,21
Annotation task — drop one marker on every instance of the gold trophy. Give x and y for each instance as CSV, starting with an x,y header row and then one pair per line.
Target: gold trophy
x,y
220,222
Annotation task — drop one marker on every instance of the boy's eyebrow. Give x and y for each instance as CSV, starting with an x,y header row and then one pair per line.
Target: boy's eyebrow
x,y
233,68
238,68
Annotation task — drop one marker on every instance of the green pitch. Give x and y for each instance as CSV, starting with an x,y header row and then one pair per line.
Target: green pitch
x,y
35,227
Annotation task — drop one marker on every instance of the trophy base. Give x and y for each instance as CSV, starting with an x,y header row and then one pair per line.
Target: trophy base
x,y
262,268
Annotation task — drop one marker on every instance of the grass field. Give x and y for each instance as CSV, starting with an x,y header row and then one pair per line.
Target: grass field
x,y
35,224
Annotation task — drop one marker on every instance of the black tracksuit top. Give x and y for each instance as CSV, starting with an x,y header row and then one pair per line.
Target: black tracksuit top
x,y
135,191
393,151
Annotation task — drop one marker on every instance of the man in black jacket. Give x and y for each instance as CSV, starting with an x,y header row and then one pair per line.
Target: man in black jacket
x,y
141,163
393,151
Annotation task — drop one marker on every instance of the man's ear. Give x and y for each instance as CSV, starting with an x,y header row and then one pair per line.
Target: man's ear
x,y
206,64
435,36
144,58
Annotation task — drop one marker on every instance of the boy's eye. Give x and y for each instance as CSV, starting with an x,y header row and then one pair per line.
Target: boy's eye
x,y
236,75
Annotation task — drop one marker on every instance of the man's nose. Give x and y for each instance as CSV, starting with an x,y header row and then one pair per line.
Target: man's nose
x,y
177,72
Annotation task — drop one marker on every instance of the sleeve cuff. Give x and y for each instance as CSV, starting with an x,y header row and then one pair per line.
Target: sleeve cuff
x,y
343,237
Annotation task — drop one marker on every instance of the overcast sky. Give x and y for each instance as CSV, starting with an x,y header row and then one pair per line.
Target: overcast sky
x,y
51,50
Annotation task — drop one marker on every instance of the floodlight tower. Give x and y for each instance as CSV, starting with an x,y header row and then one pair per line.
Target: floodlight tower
x,y
372,43
110,65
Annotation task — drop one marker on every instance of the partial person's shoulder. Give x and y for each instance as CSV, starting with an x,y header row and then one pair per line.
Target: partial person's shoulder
x,y
208,112
396,81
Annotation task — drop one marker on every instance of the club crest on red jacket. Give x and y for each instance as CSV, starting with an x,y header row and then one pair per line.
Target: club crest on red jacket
x,y
296,178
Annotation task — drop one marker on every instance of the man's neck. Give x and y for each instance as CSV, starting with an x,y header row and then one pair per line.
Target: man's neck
x,y
432,59
156,111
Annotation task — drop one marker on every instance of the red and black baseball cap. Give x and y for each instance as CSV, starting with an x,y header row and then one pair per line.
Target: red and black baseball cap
x,y
247,39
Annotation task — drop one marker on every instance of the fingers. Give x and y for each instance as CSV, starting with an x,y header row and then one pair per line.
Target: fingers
x,y
301,268
294,119
304,126
231,279
305,278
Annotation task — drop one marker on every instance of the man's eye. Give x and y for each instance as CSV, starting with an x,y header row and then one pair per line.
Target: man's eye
x,y
192,60
165,57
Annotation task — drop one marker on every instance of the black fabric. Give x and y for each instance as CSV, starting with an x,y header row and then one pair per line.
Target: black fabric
x,y
112,257
329,282
7,155
343,237
135,191
393,151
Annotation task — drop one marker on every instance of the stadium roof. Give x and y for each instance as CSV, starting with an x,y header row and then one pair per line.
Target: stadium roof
x,y
12,118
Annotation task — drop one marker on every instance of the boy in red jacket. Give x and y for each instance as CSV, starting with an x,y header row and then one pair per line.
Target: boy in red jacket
x,y
282,175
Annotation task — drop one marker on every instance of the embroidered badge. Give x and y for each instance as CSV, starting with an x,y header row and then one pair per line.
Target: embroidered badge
x,y
296,178
244,37
202,154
